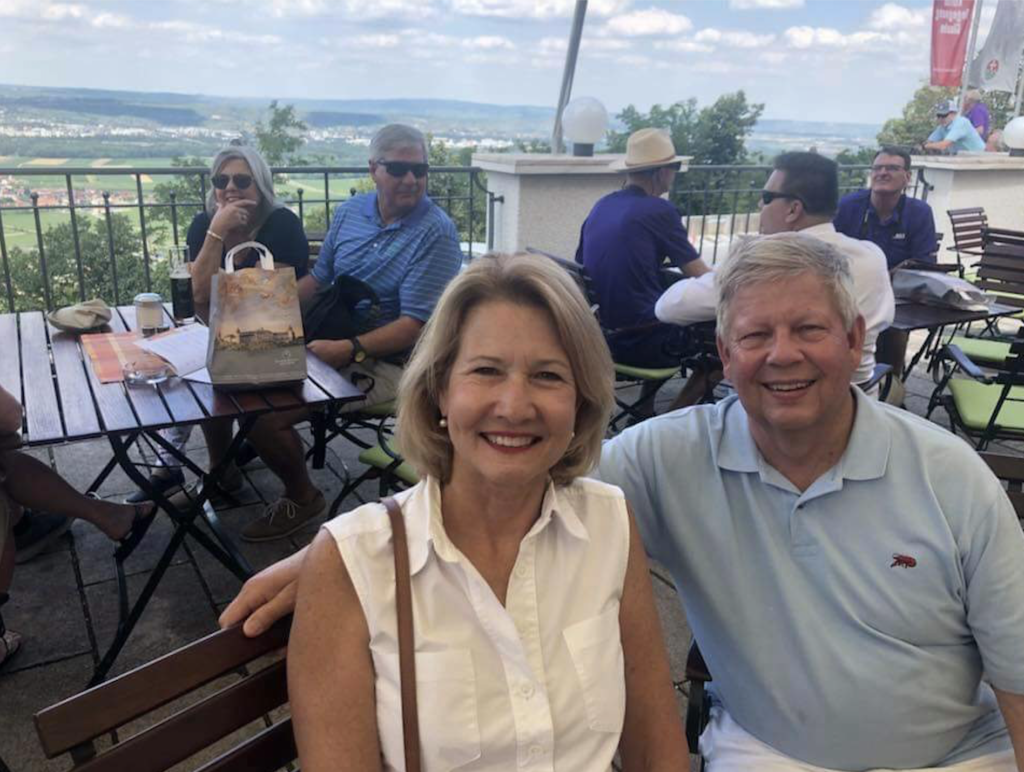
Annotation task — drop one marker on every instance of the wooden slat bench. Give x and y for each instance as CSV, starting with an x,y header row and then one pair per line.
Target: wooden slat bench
x,y
73,726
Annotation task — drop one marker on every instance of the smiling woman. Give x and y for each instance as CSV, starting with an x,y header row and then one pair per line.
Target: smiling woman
x,y
529,583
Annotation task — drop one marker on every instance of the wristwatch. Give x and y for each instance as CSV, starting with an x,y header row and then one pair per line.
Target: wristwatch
x,y
358,352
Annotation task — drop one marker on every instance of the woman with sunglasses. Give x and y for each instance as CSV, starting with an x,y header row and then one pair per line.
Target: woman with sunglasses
x,y
242,207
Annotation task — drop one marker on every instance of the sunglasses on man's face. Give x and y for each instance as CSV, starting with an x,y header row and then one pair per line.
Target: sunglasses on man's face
x,y
242,181
401,168
891,168
767,196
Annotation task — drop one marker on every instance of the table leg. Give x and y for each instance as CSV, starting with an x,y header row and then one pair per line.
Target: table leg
x,y
184,524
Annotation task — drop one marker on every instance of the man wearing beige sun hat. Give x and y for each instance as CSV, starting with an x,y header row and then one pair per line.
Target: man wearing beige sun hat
x,y
623,245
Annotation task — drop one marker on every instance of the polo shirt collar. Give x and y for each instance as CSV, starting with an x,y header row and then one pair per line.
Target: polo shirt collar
x,y
371,212
425,526
894,217
866,456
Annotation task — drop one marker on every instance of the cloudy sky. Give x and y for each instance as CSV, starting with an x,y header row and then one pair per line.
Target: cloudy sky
x,y
842,60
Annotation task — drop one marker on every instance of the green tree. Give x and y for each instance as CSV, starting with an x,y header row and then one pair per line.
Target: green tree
x,y
281,136
715,134
455,193
180,198
96,244
918,119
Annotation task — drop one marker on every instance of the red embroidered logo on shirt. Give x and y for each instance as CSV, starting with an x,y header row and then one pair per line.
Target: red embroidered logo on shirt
x,y
903,561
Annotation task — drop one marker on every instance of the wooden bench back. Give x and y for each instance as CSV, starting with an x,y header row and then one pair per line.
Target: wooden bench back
x,y
967,226
1001,267
75,723
1009,469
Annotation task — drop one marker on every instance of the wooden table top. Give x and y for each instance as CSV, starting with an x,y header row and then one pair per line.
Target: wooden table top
x,y
52,377
920,316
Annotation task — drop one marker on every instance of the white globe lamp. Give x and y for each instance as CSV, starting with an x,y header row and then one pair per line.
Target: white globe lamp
x,y
584,121
1013,136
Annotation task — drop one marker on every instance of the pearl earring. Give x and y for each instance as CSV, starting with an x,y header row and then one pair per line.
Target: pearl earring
x,y
443,423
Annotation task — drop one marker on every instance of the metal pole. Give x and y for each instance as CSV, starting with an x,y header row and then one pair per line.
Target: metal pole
x,y
557,144
970,50
1020,86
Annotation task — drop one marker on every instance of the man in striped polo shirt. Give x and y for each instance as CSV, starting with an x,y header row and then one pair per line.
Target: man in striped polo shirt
x,y
407,249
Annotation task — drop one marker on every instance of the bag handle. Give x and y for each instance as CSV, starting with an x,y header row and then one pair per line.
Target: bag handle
x,y
406,641
266,258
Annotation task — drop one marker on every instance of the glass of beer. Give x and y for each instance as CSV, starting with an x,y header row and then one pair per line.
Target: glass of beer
x,y
182,307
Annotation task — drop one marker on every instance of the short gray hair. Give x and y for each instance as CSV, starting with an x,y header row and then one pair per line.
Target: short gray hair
x,y
396,135
261,178
781,257
972,95
526,280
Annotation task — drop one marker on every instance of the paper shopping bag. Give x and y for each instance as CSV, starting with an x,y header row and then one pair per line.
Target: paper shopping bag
x,y
256,337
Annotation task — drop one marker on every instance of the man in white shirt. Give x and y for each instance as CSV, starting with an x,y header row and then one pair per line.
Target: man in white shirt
x,y
802,195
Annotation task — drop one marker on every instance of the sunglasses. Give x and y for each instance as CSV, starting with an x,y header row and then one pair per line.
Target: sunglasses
x,y
401,168
242,181
891,168
767,196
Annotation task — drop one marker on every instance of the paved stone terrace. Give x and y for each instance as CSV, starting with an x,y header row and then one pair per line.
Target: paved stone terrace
x,y
65,602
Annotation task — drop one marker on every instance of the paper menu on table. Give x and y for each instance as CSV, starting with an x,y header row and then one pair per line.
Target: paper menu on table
x,y
183,348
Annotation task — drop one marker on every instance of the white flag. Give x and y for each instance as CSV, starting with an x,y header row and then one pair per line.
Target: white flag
x,y
995,66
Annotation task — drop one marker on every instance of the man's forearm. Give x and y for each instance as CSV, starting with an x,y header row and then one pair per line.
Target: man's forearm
x,y
392,338
1012,707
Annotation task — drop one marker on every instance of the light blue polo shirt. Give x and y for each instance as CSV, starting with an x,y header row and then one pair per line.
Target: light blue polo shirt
x,y
408,262
961,133
847,626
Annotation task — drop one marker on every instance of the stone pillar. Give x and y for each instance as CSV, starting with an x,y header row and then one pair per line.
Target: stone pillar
x,y
544,198
994,181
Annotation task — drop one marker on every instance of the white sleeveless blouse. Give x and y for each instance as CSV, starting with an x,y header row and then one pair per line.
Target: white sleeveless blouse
x,y
537,684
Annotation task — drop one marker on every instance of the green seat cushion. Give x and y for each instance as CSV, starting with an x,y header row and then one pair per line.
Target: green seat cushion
x,y
379,410
379,459
981,350
646,373
975,402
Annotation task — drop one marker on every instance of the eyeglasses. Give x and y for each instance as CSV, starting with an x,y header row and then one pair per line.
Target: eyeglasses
x,y
767,196
242,181
401,168
891,168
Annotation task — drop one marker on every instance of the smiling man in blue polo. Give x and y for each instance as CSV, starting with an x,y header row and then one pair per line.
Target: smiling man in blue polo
x,y
903,227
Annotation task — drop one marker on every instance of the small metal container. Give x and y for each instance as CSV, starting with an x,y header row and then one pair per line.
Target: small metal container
x,y
149,312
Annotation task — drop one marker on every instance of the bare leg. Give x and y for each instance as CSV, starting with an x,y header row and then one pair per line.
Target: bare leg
x,y
33,484
281,449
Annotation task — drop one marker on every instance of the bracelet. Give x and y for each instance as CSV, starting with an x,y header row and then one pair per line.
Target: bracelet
x,y
219,238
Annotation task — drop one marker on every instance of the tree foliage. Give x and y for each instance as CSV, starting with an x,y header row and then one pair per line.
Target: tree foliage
x,y
281,136
918,119
96,244
715,134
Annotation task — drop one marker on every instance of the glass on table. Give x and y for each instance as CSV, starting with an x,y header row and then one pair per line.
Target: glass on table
x,y
182,307
146,373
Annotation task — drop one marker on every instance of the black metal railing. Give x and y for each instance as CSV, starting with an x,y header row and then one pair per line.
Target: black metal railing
x,y
70,233
720,202
67,234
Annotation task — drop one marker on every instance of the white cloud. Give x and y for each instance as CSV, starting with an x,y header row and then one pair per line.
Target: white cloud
x,y
649,21
892,16
733,38
192,32
684,46
534,9
61,11
358,9
744,5
371,41
111,21
489,42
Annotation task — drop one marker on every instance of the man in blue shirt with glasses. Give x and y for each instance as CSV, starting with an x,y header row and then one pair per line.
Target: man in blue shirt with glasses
x,y
903,227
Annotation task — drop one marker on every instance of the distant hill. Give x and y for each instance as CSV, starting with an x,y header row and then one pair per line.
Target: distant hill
x,y
135,124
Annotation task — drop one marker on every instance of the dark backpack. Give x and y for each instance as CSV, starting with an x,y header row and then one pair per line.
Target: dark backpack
x,y
332,314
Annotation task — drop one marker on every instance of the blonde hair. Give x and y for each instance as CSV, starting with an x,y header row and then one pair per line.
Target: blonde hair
x,y
782,257
523,279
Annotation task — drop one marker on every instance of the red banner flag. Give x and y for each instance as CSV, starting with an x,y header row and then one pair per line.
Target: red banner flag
x,y
951,27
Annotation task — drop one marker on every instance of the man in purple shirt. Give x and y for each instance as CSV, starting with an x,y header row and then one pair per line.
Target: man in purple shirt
x,y
624,244
977,113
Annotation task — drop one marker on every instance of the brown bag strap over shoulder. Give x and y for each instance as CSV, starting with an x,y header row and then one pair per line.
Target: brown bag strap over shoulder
x,y
406,640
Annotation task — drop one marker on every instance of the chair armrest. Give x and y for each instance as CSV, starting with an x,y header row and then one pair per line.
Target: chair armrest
x,y
965,364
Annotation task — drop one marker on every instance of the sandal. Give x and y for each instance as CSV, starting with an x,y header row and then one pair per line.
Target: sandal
x,y
10,642
144,516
